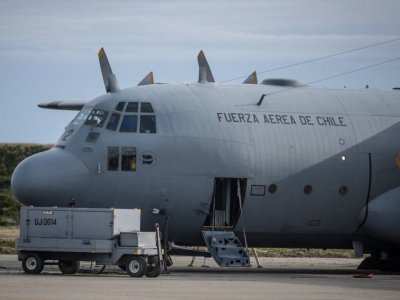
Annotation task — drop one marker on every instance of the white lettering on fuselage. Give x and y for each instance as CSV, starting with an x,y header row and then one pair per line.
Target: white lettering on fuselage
x,y
238,117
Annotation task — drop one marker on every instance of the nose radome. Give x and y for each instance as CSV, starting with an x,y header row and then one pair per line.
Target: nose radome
x,y
51,178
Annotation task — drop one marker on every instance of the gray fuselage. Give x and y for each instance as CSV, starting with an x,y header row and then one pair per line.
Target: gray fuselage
x,y
311,160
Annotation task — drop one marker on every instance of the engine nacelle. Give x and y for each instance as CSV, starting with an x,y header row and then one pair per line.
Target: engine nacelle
x,y
383,219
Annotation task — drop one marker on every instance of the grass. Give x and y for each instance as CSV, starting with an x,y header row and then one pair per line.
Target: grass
x,y
294,252
8,235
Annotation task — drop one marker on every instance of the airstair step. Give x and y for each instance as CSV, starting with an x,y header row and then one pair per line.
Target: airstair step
x,y
226,249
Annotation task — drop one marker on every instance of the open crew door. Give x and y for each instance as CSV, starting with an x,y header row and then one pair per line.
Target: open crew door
x,y
225,206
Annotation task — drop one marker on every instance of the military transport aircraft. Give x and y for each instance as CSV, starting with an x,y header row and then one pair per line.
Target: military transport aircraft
x,y
275,164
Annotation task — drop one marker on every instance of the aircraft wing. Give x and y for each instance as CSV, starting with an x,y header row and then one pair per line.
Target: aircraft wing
x,y
64,105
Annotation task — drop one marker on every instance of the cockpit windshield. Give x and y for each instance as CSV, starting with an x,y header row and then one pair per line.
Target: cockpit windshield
x,y
137,117
80,117
96,118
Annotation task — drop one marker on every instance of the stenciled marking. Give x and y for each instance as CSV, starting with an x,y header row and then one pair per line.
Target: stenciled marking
x,y
282,119
45,222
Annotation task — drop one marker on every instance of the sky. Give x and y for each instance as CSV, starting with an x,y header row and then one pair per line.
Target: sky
x,y
48,48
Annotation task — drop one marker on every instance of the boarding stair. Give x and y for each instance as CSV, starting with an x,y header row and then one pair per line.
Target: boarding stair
x,y
226,249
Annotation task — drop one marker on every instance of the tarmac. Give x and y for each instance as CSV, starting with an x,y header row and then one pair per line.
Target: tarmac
x,y
280,278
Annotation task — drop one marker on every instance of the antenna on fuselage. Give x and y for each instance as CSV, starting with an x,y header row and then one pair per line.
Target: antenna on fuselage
x,y
251,79
205,74
148,79
109,78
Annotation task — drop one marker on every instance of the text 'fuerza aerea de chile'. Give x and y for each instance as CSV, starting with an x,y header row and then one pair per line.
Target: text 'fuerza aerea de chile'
x,y
283,119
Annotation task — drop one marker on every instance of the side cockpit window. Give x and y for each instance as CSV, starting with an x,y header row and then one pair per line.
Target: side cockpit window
x,y
128,162
113,159
128,159
96,118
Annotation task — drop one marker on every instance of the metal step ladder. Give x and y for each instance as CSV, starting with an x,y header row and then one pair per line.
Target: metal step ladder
x,y
226,249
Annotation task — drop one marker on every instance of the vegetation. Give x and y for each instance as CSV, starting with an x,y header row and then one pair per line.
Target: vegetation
x,y
10,156
8,235
290,252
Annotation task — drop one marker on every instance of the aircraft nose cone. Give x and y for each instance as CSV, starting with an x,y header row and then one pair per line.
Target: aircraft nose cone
x,y
51,178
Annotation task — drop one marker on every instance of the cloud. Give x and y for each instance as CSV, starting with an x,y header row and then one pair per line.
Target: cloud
x,y
48,47
152,30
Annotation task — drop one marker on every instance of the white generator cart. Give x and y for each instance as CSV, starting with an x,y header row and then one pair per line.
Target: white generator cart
x,y
66,236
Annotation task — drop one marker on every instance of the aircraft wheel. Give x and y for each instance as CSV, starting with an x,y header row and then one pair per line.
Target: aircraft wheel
x,y
136,266
32,263
153,267
68,266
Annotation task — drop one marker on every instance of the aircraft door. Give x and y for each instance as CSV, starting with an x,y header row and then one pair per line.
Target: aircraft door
x,y
226,202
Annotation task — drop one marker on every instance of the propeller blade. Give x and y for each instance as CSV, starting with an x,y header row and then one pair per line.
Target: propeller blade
x,y
148,79
205,74
252,79
109,78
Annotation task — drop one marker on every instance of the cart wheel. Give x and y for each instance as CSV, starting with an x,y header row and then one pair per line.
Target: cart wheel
x,y
32,263
136,266
153,268
68,266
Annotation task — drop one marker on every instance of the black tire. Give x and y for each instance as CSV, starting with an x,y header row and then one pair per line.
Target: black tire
x,y
32,263
136,266
153,267
68,266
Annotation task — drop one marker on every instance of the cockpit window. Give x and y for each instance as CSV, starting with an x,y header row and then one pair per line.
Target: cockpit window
x,y
136,117
113,159
146,108
147,124
113,122
127,159
120,106
132,107
129,124
128,162
80,117
96,118
92,137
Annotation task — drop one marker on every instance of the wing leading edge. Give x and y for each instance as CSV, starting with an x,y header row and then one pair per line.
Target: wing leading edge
x,y
64,105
